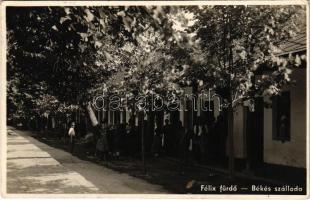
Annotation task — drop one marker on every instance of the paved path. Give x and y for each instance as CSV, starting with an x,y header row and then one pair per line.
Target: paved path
x,y
34,167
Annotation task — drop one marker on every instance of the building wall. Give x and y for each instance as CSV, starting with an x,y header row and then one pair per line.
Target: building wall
x,y
293,152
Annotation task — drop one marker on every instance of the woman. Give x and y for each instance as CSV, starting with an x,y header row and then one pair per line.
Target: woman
x,y
185,148
157,142
71,134
201,132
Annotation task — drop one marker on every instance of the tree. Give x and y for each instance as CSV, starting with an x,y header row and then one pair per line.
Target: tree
x,y
236,42
71,49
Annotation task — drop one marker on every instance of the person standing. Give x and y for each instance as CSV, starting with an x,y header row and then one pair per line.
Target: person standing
x,y
168,138
157,142
185,148
102,146
201,133
72,135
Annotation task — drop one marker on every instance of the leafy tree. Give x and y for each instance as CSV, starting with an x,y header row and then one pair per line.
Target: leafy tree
x,y
62,55
236,42
71,49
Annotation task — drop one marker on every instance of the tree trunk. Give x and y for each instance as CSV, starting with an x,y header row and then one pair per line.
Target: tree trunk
x,y
230,140
230,112
92,116
141,116
150,130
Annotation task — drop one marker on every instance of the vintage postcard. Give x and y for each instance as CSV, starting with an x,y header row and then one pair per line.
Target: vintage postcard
x,y
154,99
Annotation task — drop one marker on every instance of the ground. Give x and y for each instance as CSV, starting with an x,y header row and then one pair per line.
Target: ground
x,y
34,167
40,163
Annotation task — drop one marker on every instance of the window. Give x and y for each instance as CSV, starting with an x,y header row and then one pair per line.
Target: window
x,y
281,117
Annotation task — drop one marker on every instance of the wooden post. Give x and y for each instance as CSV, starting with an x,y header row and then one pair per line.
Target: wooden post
x,y
231,116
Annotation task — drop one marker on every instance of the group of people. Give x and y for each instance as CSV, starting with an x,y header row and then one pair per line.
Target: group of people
x,y
204,141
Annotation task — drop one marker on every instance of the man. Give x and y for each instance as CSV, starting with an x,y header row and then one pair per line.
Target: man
x,y
102,146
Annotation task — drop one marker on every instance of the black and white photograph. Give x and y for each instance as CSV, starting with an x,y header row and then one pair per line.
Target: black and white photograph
x,y
147,98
